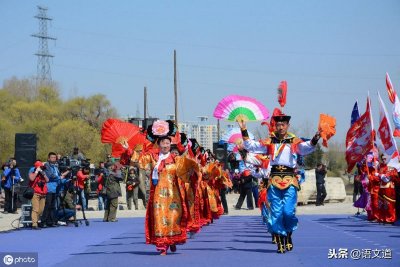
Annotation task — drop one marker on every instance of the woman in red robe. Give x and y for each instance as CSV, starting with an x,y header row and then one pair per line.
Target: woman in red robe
x,y
387,193
166,214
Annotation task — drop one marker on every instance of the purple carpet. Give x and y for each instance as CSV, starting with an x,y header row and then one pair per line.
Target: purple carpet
x,y
230,241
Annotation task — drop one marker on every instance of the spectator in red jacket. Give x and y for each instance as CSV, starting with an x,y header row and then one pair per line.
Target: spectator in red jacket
x,y
101,172
82,176
38,181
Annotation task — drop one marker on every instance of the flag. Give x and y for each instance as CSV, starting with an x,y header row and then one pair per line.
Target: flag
x,y
385,131
396,116
359,138
355,114
390,89
396,105
326,127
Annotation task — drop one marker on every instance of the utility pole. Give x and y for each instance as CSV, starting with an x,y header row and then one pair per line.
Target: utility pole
x,y
43,65
218,130
145,109
175,91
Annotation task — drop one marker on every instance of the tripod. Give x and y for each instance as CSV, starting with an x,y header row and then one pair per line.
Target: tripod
x,y
72,186
12,193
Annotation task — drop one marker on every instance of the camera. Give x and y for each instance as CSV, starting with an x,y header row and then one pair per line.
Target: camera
x,y
73,165
41,184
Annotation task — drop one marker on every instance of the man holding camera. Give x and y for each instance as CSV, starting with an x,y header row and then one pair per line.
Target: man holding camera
x,y
320,173
113,191
82,176
132,188
38,181
54,176
11,176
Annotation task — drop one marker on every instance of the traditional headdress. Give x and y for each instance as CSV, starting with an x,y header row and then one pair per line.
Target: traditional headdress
x,y
281,117
195,145
161,130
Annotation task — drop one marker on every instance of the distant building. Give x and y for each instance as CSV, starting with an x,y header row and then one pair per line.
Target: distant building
x,y
140,121
205,134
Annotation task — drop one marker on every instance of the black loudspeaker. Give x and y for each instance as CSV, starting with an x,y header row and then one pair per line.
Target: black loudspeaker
x,y
25,141
25,155
25,149
221,152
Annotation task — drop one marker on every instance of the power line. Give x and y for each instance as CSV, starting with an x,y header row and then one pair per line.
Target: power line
x,y
207,46
221,85
264,72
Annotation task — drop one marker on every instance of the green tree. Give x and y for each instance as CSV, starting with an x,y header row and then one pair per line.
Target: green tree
x,y
7,139
314,158
94,110
21,89
59,125
48,94
335,159
75,133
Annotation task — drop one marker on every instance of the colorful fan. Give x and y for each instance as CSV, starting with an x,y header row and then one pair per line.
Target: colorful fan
x,y
116,131
138,139
234,135
240,108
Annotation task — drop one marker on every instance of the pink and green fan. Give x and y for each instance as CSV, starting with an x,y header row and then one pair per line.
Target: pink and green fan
x,y
240,108
233,137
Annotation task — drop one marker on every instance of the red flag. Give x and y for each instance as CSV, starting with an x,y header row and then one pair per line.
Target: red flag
x,y
359,139
385,131
282,91
389,86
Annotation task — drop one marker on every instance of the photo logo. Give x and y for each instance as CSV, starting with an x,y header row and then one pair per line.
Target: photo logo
x,y
8,260
21,259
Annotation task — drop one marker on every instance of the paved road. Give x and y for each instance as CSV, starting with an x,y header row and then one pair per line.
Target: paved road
x,y
231,241
329,208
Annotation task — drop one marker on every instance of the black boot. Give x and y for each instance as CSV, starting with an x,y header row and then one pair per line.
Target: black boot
x,y
274,238
280,244
289,242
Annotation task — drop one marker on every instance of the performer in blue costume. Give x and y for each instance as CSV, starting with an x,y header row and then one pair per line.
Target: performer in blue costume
x,y
282,148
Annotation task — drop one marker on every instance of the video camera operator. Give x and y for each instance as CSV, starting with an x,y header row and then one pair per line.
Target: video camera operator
x,y
55,176
67,190
38,181
132,187
113,191
82,176
11,176
77,155
101,173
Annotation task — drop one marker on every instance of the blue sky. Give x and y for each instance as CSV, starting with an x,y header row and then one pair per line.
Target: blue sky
x,y
330,52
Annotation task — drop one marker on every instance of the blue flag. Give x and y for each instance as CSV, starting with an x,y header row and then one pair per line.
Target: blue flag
x,y
355,114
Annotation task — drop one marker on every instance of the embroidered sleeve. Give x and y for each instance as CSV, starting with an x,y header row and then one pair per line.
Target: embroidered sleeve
x,y
255,147
183,167
304,148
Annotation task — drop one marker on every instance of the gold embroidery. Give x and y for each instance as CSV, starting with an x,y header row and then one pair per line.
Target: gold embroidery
x,y
283,182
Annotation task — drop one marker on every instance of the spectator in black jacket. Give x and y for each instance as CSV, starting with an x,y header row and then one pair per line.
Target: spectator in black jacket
x,y
320,173
245,186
